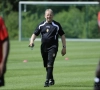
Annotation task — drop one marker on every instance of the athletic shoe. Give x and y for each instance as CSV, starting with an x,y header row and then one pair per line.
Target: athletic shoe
x,y
2,83
51,82
46,83
97,86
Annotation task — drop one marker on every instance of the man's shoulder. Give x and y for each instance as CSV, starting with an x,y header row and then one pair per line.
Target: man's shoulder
x,y
56,22
41,22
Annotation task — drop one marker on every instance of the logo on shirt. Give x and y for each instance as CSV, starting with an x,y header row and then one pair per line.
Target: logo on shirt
x,y
47,30
47,26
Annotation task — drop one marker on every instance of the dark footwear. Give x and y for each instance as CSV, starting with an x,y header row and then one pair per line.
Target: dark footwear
x,y
46,84
51,82
97,86
2,83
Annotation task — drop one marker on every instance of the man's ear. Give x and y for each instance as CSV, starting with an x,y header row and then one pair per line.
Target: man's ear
x,y
44,16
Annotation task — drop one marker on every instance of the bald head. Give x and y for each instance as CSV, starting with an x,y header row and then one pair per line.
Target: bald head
x,y
49,10
48,15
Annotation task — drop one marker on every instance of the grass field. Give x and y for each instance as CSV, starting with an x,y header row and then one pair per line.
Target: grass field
x,y
77,73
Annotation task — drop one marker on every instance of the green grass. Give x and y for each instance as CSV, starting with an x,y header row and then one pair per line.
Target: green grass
x,y
77,73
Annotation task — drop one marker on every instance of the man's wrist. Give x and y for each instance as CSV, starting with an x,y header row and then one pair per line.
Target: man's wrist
x,y
64,46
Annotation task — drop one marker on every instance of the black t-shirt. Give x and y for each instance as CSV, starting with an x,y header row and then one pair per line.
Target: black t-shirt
x,y
49,34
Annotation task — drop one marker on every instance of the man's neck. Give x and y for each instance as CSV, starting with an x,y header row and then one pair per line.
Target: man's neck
x,y
48,21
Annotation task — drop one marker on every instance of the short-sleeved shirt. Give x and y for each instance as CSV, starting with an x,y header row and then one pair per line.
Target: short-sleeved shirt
x,y
3,35
49,34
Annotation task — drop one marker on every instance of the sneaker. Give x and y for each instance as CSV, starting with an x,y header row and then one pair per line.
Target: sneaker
x,y
2,82
51,82
97,86
46,84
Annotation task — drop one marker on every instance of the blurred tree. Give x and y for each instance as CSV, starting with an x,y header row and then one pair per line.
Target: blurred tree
x,y
77,21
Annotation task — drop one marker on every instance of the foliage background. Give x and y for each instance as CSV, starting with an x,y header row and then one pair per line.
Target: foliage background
x,y
77,21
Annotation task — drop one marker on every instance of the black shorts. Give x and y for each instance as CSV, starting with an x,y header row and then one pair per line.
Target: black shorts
x,y
49,57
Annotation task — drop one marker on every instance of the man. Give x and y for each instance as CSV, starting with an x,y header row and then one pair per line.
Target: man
x,y
49,30
4,50
97,78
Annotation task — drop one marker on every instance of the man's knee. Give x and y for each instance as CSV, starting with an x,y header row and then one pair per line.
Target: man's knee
x,y
49,65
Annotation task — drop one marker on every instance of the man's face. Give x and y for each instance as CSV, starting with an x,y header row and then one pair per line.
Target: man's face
x,y
48,16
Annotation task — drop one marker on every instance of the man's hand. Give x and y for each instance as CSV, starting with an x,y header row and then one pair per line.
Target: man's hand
x,y
63,52
32,40
31,45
